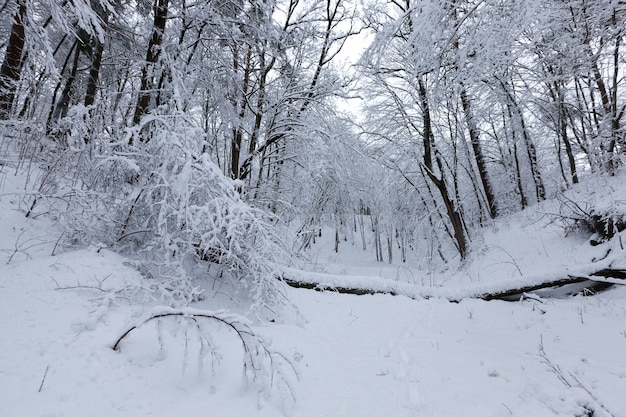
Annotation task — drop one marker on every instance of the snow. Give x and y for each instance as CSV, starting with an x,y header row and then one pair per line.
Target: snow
x,y
368,355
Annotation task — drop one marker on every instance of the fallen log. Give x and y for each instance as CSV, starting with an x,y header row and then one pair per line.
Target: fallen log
x,y
588,284
552,289
339,289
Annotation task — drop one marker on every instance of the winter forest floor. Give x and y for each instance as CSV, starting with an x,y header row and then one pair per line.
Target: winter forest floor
x,y
371,355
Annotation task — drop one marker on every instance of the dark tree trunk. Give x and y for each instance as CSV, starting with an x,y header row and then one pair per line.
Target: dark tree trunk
x,y
258,119
94,73
532,157
440,182
152,57
235,151
568,146
518,178
96,51
478,155
62,105
12,64
53,104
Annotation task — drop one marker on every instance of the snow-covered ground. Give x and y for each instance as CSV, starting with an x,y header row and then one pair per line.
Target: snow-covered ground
x,y
374,355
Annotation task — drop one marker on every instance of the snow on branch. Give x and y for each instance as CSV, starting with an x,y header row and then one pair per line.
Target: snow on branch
x,y
263,366
167,205
585,279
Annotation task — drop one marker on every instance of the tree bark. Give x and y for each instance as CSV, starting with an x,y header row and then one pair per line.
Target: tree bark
x,y
62,105
478,155
94,74
152,57
428,138
97,50
235,148
12,65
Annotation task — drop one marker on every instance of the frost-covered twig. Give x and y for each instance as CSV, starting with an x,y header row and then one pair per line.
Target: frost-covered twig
x,y
25,245
512,261
554,368
129,293
571,380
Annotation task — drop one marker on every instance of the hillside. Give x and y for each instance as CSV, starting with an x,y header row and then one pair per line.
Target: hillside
x,y
372,355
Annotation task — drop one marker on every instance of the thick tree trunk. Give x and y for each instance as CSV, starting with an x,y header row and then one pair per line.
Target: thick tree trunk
x,y
152,57
12,64
97,49
94,74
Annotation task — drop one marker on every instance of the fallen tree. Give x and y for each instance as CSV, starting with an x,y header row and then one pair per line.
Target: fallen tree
x,y
571,285
549,286
339,289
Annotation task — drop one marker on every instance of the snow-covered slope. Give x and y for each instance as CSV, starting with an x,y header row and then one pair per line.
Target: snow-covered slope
x,y
355,355
540,241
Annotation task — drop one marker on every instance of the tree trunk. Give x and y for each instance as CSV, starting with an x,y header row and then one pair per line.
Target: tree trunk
x,y
94,73
235,148
94,70
96,50
62,105
568,146
12,65
478,155
532,157
428,138
152,57
518,178
520,125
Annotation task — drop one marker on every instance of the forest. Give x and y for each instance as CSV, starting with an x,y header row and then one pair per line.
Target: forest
x,y
241,148
465,111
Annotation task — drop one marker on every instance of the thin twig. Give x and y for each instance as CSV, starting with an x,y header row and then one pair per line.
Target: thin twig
x,y
43,380
57,243
82,287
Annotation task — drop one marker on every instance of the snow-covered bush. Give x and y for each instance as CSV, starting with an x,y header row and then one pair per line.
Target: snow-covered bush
x,y
156,195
